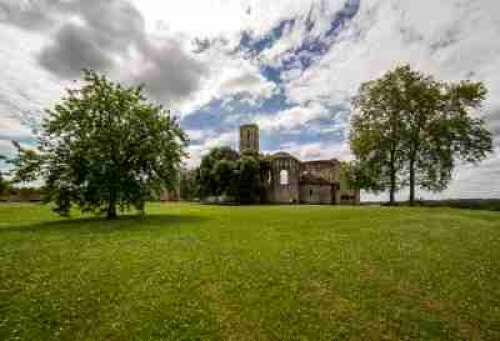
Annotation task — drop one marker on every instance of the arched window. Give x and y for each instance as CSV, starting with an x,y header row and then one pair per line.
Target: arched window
x,y
284,177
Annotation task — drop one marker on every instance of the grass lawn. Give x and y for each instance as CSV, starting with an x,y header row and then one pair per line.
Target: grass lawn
x,y
192,272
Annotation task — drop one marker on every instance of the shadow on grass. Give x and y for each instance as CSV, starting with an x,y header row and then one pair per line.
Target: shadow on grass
x,y
103,225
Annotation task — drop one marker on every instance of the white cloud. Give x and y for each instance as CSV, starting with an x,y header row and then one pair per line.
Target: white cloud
x,y
228,74
452,39
211,140
12,129
195,134
25,89
292,118
212,18
317,151
252,83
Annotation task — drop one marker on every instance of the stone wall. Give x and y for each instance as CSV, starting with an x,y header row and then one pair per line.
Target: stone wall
x,y
326,195
289,193
316,194
326,169
348,196
326,191
249,138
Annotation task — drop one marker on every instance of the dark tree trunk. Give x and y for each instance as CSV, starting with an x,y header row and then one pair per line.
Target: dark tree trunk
x,y
111,212
392,190
412,182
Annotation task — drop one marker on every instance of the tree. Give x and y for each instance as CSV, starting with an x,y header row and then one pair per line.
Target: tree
x,y
412,129
375,135
225,175
223,172
210,180
441,129
3,183
104,146
248,180
188,184
351,175
265,170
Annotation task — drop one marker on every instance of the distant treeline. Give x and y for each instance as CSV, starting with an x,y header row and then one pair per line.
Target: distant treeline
x,y
473,204
18,194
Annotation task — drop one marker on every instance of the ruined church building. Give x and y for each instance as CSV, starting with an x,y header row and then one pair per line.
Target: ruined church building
x,y
294,181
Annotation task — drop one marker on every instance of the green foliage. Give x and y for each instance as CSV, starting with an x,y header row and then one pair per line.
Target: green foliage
x,y
350,176
3,182
375,135
248,180
211,180
264,177
188,184
411,129
103,146
204,272
27,164
224,175
223,172
356,175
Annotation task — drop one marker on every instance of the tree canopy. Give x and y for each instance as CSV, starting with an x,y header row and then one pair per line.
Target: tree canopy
x,y
103,147
215,172
3,182
188,184
410,129
224,172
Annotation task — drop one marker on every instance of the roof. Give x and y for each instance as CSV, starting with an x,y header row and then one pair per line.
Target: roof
x,y
249,125
283,155
335,161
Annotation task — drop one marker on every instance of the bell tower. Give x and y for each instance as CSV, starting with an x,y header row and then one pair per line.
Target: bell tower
x,y
249,138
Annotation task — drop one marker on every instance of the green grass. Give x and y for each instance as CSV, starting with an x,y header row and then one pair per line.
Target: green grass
x,y
192,272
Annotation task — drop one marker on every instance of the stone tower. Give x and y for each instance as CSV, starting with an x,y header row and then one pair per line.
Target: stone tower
x,y
249,138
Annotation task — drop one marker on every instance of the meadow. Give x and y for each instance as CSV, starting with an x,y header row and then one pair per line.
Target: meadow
x,y
200,272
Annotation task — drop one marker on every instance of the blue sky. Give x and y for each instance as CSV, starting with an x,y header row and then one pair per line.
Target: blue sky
x,y
291,66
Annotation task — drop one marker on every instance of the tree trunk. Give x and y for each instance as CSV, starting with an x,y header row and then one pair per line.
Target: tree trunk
x,y
392,190
412,182
111,213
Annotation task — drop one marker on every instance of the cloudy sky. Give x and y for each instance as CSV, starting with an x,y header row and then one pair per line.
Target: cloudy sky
x,y
291,66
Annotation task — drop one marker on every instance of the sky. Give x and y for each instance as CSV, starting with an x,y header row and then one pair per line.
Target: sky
x,y
291,66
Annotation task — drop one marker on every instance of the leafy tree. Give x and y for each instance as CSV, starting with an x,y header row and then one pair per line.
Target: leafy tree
x,y
210,182
225,175
188,184
441,130
248,180
224,172
350,174
412,129
375,135
104,146
265,162
3,182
